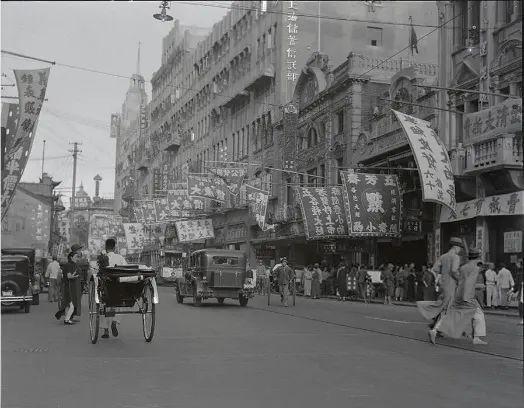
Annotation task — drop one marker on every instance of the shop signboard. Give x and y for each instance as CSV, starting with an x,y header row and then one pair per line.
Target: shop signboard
x,y
194,230
206,185
513,242
505,117
373,204
323,212
233,176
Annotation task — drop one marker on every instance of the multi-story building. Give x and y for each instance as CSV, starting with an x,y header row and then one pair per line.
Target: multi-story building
x,y
480,50
223,100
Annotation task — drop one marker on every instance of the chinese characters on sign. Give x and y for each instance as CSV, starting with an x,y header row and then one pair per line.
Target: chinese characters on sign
x,y
436,175
513,242
180,204
323,212
135,236
32,85
232,176
505,117
206,185
194,230
505,204
148,211
292,34
373,204
257,200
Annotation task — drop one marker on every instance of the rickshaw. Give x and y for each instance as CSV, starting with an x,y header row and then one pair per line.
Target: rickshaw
x,y
215,273
131,287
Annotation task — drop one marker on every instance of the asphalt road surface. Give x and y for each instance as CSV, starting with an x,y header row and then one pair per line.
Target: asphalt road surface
x,y
321,353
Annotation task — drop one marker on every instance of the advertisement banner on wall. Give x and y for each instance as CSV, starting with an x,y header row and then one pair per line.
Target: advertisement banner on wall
x,y
513,242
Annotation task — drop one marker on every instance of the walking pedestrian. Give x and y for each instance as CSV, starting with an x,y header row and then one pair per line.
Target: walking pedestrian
x,y
518,288
362,282
389,283
316,277
428,284
464,316
447,270
399,284
54,274
505,283
491,286
411,279
285,275
72,292
342,282
308,276
261,272
480,288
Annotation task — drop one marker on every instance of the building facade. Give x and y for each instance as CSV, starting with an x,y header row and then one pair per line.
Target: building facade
x,y
224,99
482,51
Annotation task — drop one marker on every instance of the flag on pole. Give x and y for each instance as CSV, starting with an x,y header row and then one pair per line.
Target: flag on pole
x,y
412,37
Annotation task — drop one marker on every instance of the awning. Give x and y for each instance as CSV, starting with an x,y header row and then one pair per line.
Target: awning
x,y
504,204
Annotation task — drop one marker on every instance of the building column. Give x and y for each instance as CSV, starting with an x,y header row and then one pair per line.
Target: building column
x,y
353,120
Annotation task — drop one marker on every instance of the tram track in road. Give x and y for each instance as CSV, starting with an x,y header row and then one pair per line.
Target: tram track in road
x,y
384,333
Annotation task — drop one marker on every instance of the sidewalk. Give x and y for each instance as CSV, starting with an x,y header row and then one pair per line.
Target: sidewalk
x,y
511,312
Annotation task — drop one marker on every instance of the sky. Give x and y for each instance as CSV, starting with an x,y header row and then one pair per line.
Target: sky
x,y
102,36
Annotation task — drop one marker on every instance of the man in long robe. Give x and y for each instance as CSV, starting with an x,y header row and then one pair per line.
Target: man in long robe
x,y
447,270
464,317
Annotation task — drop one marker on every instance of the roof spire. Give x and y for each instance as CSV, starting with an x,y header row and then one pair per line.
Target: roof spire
x,y
138,60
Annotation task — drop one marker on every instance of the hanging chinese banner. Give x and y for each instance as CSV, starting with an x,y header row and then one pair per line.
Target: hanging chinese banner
x,y
504,204
149,211
206,185
32,85
373,204
257,200
10,114
323,212
135,236
233,177
137,211
181,205
436,175
194,230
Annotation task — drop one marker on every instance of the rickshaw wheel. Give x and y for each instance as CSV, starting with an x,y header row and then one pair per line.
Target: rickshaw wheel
x,y
94,315
148,312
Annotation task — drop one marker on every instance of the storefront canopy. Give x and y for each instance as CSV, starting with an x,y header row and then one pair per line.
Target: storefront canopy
x,y
505,204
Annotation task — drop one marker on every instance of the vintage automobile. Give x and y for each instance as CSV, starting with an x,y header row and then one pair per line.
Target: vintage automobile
x,y
215,273
34,275
16,282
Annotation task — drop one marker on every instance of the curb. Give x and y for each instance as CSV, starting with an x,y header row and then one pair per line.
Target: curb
x,y
487,312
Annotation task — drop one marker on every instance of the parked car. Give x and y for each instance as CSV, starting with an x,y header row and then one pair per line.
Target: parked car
x,y
34,275
16,282
215,273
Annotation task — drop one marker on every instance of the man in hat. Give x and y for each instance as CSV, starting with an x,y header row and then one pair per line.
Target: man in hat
x,y
464,316
447,270
284,275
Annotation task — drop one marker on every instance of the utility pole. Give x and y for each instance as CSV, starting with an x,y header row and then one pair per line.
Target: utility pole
x,y
75,152
43,158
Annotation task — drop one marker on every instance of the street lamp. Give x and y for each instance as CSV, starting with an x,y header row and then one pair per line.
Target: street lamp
x,y
163,16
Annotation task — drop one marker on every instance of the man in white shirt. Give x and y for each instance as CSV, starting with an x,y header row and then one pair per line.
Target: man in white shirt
x,y
505,284
491,287
53,273
114,259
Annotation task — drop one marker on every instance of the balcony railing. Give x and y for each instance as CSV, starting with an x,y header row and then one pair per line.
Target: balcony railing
x,y
505,151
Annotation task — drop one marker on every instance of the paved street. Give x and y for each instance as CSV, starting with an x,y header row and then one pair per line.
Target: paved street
x,y
320,353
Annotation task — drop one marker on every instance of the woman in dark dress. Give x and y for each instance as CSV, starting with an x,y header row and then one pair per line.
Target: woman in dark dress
x,y
71,287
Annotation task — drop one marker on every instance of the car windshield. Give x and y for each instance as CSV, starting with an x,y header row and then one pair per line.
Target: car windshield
x,y
225,260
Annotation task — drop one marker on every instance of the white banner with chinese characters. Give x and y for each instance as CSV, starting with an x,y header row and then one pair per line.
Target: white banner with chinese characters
x,y
434,166
232,176
135,235
513,242
206,185
194,230
504,204
257,200
32,85
505,117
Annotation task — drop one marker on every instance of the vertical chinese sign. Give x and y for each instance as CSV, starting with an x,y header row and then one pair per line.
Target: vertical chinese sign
x,y
32,85
290,54
373,204
258,200
194,230
135,236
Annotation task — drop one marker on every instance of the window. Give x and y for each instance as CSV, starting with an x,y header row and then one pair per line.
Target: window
x,y
340,121
312,179
375,36
312,138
